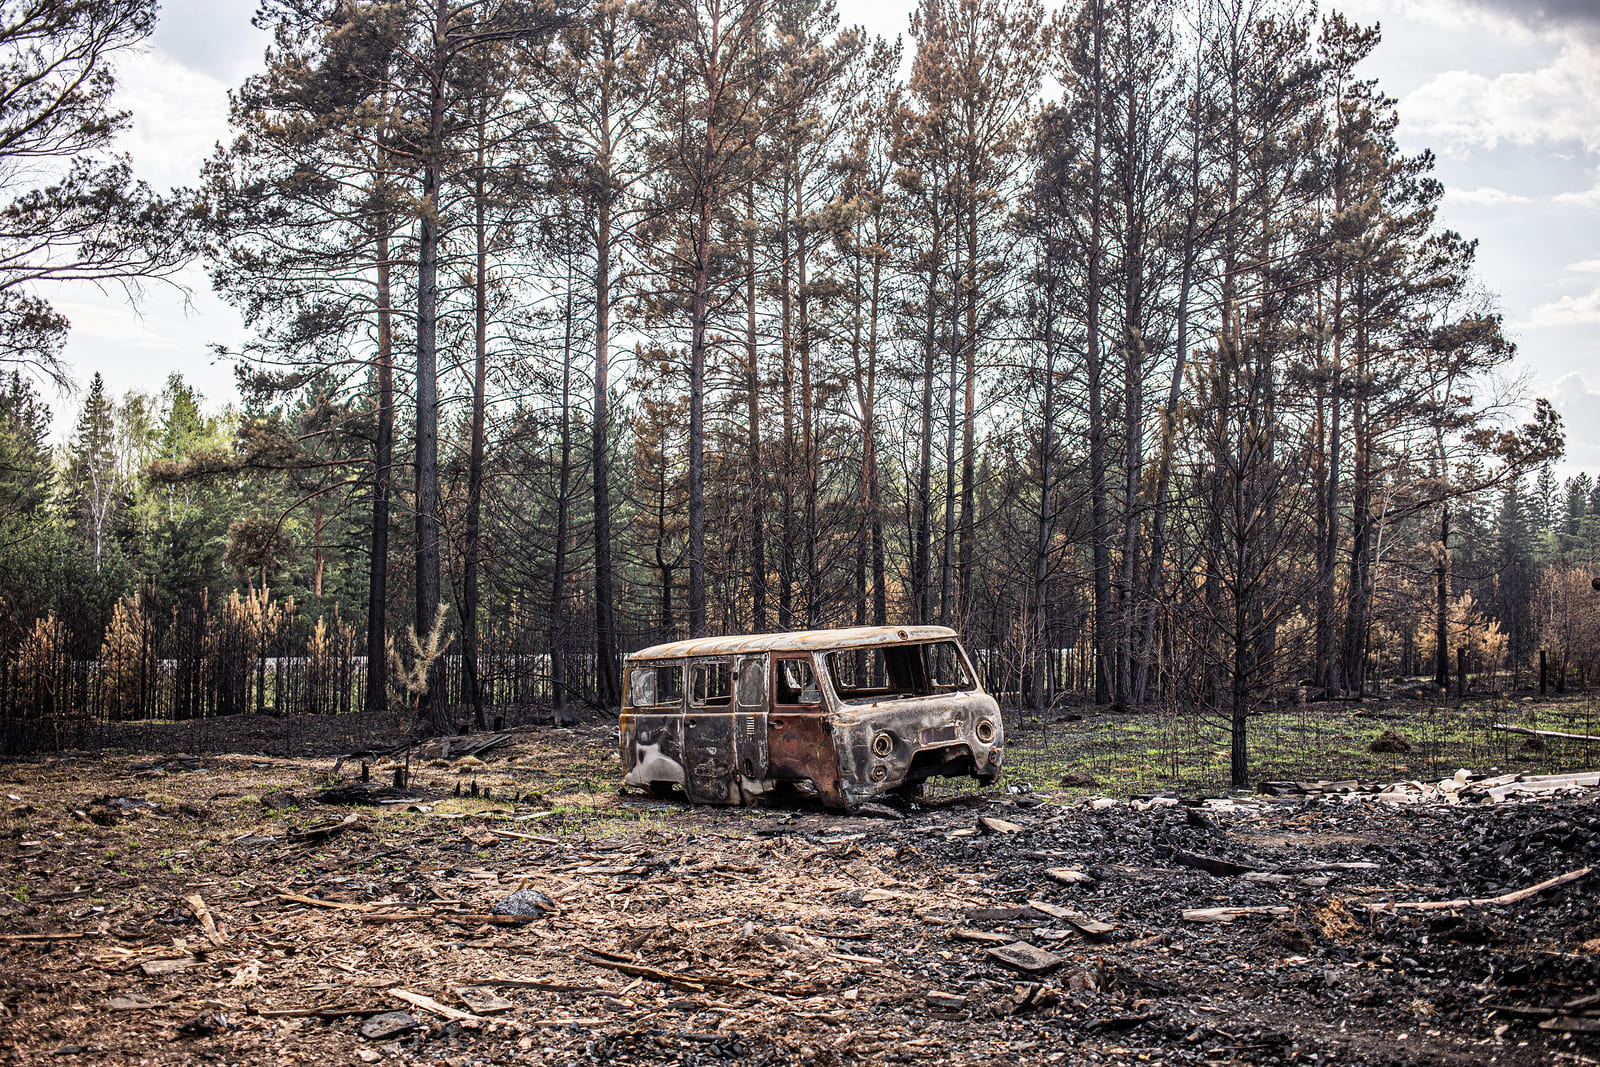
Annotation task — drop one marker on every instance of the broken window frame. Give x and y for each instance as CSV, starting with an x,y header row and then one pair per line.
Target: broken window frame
x,y
704,669
907,671
779,688
665,668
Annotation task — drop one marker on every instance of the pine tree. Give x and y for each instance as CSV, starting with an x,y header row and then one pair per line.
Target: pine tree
x,y
1578,488
92,483
88,219
25,472
1546,500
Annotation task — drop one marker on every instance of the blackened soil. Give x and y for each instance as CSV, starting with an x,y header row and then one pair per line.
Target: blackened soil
x,y
703,936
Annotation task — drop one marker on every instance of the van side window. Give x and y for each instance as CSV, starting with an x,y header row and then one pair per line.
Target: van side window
x,y
655,685
797,684
752,683
711,684
858,673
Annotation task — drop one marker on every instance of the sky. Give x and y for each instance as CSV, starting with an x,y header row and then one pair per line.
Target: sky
x,y
1505,93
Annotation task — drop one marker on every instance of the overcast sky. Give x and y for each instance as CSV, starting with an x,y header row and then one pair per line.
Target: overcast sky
x,y
1505,92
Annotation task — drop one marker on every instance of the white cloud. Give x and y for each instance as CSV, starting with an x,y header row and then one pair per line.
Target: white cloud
x,y
1589,198
1484,196
1586,266
1580,417
179,114
1558,103
1441,14
1569,311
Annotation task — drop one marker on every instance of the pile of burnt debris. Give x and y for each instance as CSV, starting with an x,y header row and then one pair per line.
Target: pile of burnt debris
x,y
1463,787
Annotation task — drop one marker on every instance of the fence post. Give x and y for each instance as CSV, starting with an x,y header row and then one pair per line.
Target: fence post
x,y
1461,673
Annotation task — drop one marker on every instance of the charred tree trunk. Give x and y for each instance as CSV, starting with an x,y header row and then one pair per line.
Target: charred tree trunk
x,y
757,487
472,535
432,712
377,696
1103,644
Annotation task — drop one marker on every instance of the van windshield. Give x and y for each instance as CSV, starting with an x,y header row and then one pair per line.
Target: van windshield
x,y
887,672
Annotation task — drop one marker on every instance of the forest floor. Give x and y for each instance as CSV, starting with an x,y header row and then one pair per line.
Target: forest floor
x,y
161,910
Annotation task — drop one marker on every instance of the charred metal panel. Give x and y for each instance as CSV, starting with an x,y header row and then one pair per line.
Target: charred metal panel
x,y
652,748
750,724
708,757
799,747
798,641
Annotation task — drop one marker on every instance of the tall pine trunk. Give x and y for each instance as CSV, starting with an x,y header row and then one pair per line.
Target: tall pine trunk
x,y
471,549
432,712
377,698
753,398
1103,643
558,566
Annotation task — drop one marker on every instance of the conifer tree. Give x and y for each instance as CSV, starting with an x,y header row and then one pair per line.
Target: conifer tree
x,y
92,482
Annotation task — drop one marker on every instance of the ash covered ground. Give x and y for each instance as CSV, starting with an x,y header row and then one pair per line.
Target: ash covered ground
x,y
212,911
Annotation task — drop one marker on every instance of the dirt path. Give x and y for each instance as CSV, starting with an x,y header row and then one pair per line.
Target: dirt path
x,y
716,936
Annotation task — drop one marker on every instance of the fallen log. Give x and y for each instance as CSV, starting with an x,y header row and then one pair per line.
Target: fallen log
x,y
1504,728
1515,897
318,834
1210,864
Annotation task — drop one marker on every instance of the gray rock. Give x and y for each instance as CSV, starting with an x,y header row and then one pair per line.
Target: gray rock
x,y
529,903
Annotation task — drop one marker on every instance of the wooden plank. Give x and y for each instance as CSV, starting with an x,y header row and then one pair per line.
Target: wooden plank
x,y
1227,915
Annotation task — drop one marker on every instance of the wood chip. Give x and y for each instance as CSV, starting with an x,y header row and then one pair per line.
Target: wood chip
x,y
1055,911
427,1003
1089,927
156,968
1067,876
985,936
991,825
135,1002
1024,957
197,905
1083,923
482,999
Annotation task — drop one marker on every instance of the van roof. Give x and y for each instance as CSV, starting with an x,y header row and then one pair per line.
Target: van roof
x,y
794,641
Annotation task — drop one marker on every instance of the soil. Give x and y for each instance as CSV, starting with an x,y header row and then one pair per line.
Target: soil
x,y
766,936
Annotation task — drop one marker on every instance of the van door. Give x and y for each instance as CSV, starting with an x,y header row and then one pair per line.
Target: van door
x,y
800,736
750,724
708,742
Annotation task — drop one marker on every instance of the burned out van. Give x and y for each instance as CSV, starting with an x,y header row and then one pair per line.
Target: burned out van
x,y
846,714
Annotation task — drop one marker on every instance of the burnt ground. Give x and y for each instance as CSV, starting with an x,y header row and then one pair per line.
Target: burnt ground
x,y
704,936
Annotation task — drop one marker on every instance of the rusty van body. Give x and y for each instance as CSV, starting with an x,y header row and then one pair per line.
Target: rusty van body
x,y
848,714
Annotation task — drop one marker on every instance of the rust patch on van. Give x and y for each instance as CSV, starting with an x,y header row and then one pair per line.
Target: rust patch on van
x,y
801,747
